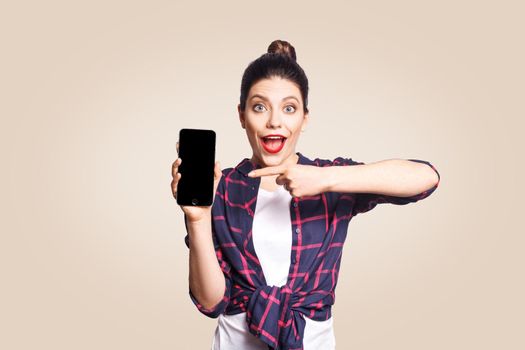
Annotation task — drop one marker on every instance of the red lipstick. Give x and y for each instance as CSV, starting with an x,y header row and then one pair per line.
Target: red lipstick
x,y
273,143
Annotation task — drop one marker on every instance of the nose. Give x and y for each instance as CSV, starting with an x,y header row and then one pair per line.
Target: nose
x,y
274,121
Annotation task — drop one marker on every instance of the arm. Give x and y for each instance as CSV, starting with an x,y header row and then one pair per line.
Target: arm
x,y
396,181
206,279
391,177
209,274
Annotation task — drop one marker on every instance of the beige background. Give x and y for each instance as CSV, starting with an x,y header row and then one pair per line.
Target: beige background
x,y
93,95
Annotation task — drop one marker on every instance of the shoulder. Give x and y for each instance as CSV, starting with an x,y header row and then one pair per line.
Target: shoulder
x,y
227,175
234,171
235,175
228,171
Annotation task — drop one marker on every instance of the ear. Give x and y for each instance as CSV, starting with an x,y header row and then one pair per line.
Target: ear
x,y
306,119
241,116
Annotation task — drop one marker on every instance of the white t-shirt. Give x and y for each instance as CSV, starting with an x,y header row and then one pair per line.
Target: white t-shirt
x,y
272,240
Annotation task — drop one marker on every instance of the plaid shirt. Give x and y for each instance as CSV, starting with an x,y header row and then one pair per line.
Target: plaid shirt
x,y
275,314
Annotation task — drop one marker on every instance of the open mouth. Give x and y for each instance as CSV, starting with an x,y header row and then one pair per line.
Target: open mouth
x,y
273,143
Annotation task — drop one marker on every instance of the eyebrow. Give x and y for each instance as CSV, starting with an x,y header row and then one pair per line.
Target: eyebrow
x,y
264,98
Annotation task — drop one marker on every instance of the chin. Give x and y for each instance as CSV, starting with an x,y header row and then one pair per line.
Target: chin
x,y
274,160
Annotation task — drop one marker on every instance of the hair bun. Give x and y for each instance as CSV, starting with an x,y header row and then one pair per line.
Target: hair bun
x,y
282,47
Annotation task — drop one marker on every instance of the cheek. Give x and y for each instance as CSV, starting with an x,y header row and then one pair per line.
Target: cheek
x,y
295,128
251,133
250,130
252,127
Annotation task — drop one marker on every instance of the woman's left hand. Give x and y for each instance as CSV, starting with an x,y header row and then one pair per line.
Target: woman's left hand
x,y
300,180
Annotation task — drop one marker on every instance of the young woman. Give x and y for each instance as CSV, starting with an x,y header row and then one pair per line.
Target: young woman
x,y
265,257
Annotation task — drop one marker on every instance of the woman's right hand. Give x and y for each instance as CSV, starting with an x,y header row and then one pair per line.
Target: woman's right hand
x,y
193,213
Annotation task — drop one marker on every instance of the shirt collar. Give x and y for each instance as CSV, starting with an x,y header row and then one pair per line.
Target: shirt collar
x,y
246,165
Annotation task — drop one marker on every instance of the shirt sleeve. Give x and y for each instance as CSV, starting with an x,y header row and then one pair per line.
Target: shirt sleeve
x,y
220,307
367,201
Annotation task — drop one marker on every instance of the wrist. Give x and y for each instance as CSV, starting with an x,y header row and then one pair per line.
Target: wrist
x,y
330,178
204,218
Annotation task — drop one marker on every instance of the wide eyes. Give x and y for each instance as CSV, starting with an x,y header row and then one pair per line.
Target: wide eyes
x,y
258,109
288,108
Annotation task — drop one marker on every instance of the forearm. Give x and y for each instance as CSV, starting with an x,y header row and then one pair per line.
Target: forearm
x,y
393,177
206,279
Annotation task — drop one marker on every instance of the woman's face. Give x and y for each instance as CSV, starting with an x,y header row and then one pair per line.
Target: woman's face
x,y
273,120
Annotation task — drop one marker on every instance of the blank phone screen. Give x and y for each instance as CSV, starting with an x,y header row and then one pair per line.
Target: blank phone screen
x,y
197,151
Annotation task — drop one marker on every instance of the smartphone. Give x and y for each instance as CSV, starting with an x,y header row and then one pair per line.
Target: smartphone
x,y
197,151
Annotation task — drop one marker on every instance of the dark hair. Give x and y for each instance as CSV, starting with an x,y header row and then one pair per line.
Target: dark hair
x,y
279,61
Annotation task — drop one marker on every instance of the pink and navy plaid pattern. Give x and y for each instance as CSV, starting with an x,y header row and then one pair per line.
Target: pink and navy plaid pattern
x,y
276,314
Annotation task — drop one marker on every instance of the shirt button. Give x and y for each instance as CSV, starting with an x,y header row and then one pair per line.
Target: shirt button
x,y
295,204
298,230
253,188
293,260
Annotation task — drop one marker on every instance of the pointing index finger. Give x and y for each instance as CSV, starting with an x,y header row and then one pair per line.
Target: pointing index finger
x,y
271,170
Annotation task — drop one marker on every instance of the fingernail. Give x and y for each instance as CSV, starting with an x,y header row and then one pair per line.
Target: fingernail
x,y
250,174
